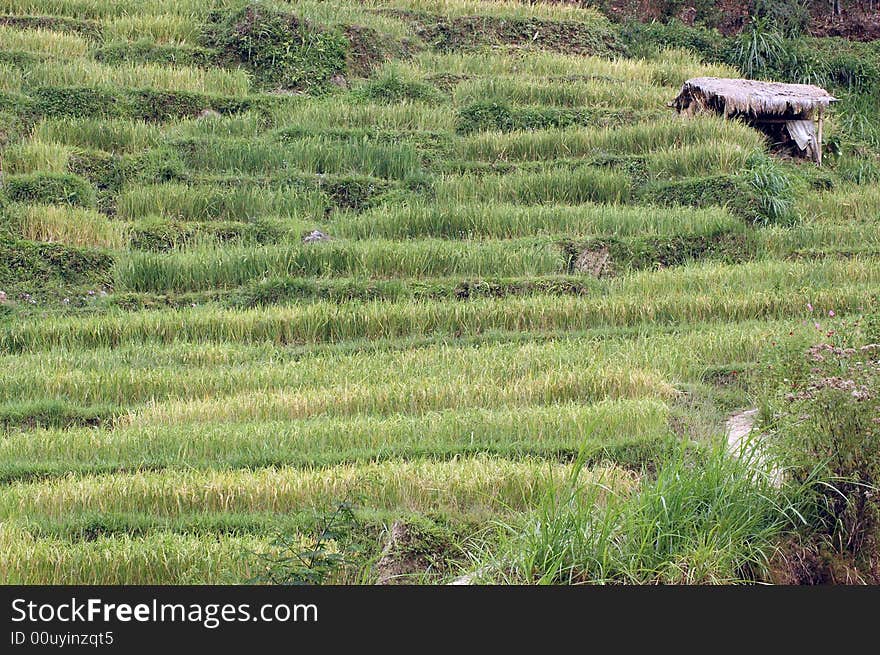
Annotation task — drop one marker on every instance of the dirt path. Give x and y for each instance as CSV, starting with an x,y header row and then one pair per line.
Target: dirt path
x,y
738,428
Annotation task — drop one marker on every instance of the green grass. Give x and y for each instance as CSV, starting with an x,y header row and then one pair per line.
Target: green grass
x,y
446,218
629,140
71,225
179,78
212,267
563,186
85,132
206,202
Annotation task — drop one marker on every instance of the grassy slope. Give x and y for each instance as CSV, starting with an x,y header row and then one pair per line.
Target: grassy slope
x,y
182,377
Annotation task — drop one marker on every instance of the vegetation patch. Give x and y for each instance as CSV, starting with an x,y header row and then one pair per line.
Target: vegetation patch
x,y
280,49
50,188
494,115
31,265
88,28
596,37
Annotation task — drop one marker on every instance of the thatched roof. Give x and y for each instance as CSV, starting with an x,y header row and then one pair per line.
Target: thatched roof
x,y
732,96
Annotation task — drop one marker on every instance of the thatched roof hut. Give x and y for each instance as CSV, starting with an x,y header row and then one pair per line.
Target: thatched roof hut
x,y
768,106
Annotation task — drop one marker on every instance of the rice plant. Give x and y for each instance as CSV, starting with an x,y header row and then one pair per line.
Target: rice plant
x,y
113,135
501,220
44,42
634,139
83,72
71,225
208,202
36,156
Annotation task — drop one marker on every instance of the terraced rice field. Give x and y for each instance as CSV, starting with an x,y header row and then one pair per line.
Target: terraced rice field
x,y
529,258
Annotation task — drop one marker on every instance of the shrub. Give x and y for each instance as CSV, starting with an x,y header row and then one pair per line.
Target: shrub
x,y
701,520
37,264
50,188
146,51
499,115
823,415
392,87
280,49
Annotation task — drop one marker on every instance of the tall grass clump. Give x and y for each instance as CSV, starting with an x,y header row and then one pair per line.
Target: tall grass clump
x,y
774,191
711,520
71,225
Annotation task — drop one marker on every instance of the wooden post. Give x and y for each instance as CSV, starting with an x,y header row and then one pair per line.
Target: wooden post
x,y
819,139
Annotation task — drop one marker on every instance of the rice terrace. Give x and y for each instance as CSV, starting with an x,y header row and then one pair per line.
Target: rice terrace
x,y
438,291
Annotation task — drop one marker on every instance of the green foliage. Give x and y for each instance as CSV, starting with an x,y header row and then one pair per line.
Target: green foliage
x,y
773,192
790,17
639,253
50,188
34,265
591,37
321,558
53,413
392,87
148,52
141,104
729,191
87,28
822,408
758,49
163,235
104,170
500,115
702,520
280,49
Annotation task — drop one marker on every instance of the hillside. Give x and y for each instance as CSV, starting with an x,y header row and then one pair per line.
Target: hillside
x,y
416,263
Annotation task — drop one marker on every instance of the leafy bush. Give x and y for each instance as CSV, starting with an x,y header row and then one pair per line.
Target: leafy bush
x,y
823,415
50,188
320,558
280,49
392,87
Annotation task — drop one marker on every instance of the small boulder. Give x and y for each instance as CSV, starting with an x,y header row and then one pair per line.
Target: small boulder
x,y
315,236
